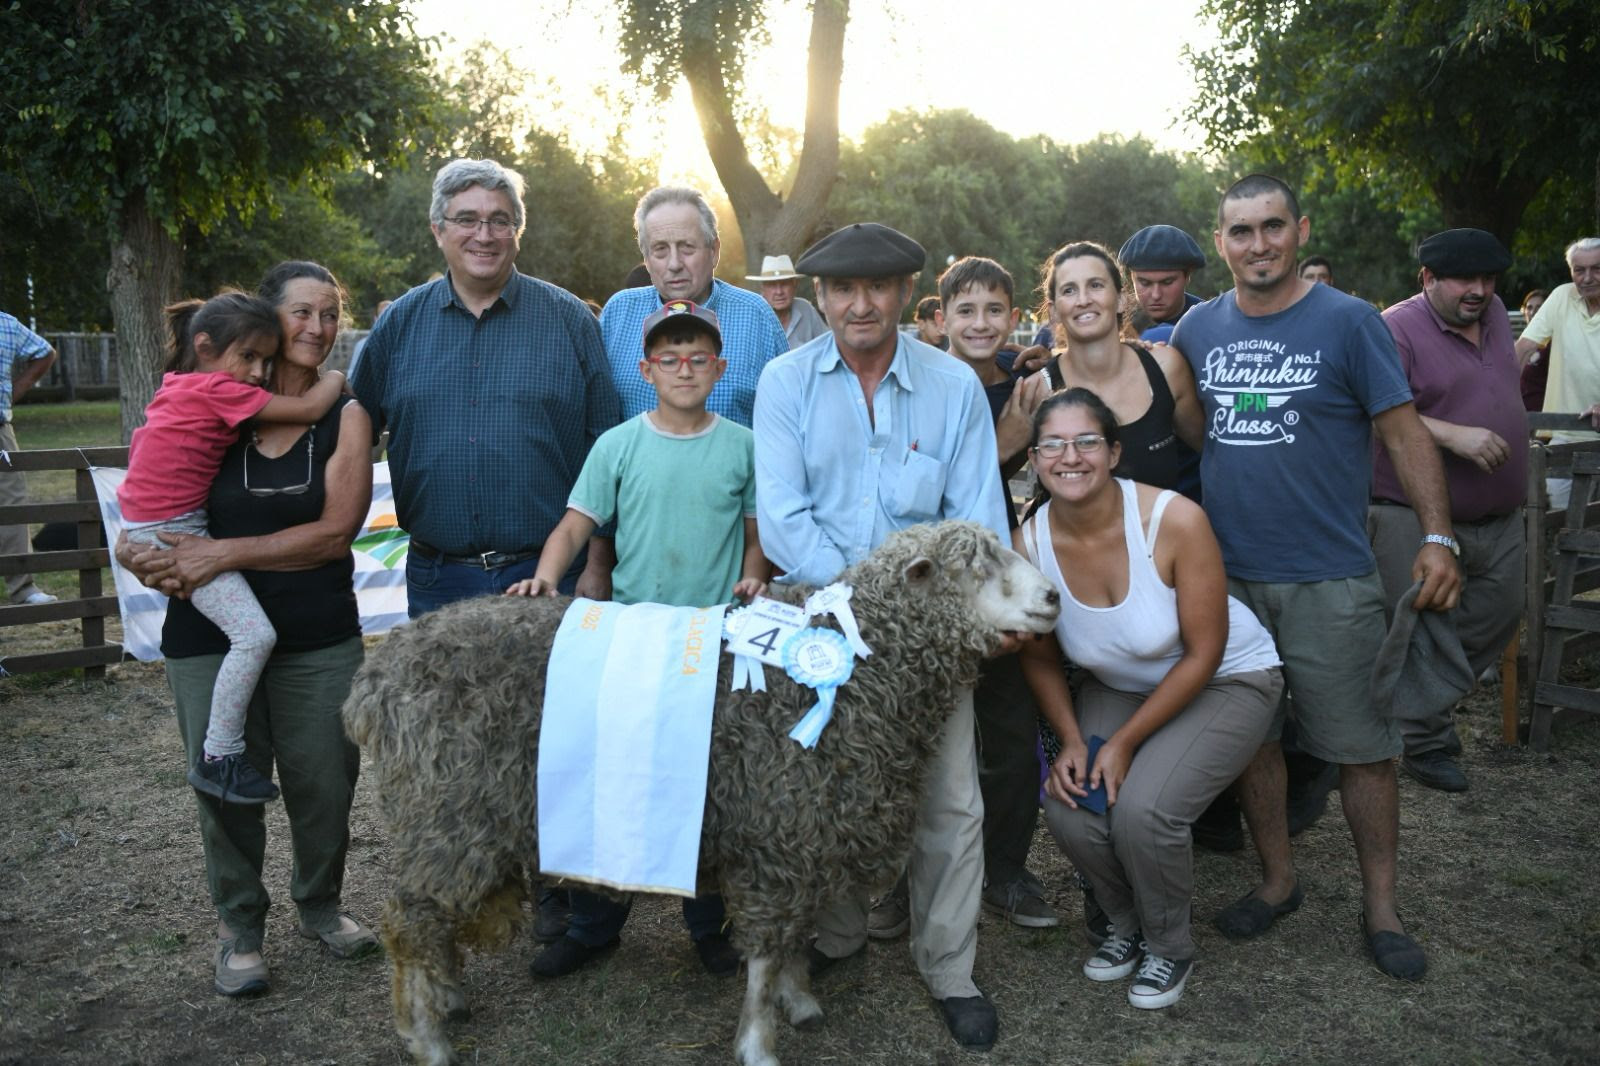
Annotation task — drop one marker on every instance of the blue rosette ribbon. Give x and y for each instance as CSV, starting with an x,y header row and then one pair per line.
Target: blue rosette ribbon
x,y
822,660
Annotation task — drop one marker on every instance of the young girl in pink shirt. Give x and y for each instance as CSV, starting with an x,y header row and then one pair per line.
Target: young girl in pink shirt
x,y
212,383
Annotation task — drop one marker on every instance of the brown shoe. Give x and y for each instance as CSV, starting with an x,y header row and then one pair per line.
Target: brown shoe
x,y
351,944
236,982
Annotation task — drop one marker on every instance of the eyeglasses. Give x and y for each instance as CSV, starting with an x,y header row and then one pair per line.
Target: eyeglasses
x,y
670,363
499,225
292,490
1055,447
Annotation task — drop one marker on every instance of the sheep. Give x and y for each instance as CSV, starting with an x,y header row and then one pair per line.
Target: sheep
x,y
448,710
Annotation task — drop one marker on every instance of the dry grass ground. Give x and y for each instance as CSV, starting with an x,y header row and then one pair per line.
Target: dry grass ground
x,y
106,936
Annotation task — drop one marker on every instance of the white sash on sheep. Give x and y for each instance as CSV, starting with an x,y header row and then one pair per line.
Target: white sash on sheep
x,y
625,742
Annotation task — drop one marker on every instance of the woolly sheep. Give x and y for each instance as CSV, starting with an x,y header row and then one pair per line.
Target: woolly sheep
x,y
448,709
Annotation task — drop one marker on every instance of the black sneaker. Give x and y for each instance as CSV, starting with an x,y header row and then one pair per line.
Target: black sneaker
x,y
1436,770
1159,983
231,779
1117,958
568,955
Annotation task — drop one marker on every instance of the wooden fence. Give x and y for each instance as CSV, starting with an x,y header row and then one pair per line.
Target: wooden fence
x,y
92,606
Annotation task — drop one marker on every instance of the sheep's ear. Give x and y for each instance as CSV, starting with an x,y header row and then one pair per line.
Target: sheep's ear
x,y
919,570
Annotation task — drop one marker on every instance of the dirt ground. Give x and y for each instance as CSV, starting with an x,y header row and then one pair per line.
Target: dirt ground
x,y
106,936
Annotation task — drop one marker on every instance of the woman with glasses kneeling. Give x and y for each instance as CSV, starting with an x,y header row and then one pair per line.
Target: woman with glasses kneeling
x,y
1182,685
283,511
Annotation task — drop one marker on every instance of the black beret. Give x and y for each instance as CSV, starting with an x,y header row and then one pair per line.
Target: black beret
x,y
863,250
1462,253
1161,248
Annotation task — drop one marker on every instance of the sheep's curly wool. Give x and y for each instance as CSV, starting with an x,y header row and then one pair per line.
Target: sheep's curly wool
x,y
448,710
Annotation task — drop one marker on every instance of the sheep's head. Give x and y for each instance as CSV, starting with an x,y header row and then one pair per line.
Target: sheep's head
x,y
1002,593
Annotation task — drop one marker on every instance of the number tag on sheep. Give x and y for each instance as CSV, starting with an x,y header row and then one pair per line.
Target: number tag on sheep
x,y
771,632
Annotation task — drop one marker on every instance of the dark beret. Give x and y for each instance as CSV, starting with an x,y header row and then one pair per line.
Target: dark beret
x,y
1161,248
1461,253
863,250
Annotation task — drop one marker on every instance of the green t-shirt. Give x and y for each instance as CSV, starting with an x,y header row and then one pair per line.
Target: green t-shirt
x,y
680,505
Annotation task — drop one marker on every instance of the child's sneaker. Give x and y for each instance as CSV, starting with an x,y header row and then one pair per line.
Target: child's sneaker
x,y
232,780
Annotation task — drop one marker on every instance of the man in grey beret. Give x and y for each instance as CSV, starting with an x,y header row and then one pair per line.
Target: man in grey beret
x,y
1162,259
1457,352
861,432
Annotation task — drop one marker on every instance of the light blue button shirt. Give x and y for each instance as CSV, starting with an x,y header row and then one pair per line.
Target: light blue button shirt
x,y
832,482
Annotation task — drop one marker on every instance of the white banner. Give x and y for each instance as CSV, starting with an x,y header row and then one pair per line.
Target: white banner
x,y
380,575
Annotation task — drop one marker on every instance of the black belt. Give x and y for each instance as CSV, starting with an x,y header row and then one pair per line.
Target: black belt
x,y
482,560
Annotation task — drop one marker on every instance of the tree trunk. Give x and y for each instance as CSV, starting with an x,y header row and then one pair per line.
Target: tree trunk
x,y
1482,197
769,225
146,267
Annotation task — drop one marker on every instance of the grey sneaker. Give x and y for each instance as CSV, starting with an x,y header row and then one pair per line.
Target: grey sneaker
x,y
1020,902
890,915
344,944
1160,982
233,982
1117,958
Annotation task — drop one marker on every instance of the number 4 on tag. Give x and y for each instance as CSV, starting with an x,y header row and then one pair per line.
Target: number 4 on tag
x,y
767,624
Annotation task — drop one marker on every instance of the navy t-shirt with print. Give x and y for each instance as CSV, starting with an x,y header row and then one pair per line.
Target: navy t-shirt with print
x,y
1288,400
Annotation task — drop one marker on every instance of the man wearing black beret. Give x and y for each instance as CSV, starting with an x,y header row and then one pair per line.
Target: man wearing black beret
x,y
1457,351
861,432
1161,259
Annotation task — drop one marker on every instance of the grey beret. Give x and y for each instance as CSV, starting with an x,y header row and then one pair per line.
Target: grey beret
x,y
863,250
1461,253
1161,248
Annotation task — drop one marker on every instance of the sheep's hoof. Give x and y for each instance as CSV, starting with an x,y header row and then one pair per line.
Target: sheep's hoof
x,y
803,1011
455,1005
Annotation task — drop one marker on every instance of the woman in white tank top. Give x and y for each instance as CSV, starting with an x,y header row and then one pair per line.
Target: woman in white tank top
x,y
1182,685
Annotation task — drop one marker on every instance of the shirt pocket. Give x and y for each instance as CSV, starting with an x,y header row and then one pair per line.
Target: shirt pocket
x,y
918,486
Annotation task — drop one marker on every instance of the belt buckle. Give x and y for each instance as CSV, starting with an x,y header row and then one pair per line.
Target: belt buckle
x,y
487,559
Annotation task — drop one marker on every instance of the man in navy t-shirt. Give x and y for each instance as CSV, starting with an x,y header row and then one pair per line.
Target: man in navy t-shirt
x,y
1294,378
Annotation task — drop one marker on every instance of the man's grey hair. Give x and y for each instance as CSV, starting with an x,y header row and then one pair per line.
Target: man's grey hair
x,y
673,194
1582,244
459,175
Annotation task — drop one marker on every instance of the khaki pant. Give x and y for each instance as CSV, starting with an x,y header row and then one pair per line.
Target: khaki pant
x,y
1138,856
1490,611
946,876
14,539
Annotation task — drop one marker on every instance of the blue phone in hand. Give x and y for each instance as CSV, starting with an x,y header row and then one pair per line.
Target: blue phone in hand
x,y
1096,799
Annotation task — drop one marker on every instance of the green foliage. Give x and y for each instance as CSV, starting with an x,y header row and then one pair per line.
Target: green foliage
x,y
60,253
657,34
1473,106
204,108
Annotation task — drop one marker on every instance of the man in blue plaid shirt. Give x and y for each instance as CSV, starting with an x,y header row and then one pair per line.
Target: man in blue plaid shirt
x,y
493,386
27,357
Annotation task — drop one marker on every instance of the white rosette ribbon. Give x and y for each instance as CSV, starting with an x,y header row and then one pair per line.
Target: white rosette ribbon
x,y
821,660
835,600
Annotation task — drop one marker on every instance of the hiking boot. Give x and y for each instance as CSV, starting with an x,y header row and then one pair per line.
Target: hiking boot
x,y
237,982
891,914
1117,958
1436,770
1159,983
1020,902
344,943
231,779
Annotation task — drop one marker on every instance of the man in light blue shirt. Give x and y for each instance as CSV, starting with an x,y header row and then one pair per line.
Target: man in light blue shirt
x,y
26,357
678,236
861,432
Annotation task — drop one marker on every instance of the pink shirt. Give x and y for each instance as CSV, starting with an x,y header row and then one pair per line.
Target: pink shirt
x,y
176,454
1454,380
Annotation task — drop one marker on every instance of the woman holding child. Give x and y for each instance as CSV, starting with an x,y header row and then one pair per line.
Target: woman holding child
x,y
1181,688
283,509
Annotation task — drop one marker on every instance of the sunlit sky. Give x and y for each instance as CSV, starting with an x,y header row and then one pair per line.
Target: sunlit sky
x,y
1071,69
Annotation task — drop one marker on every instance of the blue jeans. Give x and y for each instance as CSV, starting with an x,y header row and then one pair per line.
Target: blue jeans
x,y
596,920
434,583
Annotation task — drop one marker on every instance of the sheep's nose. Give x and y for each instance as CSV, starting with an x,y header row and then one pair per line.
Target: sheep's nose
x,y
1052,597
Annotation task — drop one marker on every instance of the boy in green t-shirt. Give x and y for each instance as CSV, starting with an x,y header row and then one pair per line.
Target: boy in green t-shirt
x,y
680,481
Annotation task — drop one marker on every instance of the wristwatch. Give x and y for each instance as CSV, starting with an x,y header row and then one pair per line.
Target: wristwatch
x,y
1448,542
